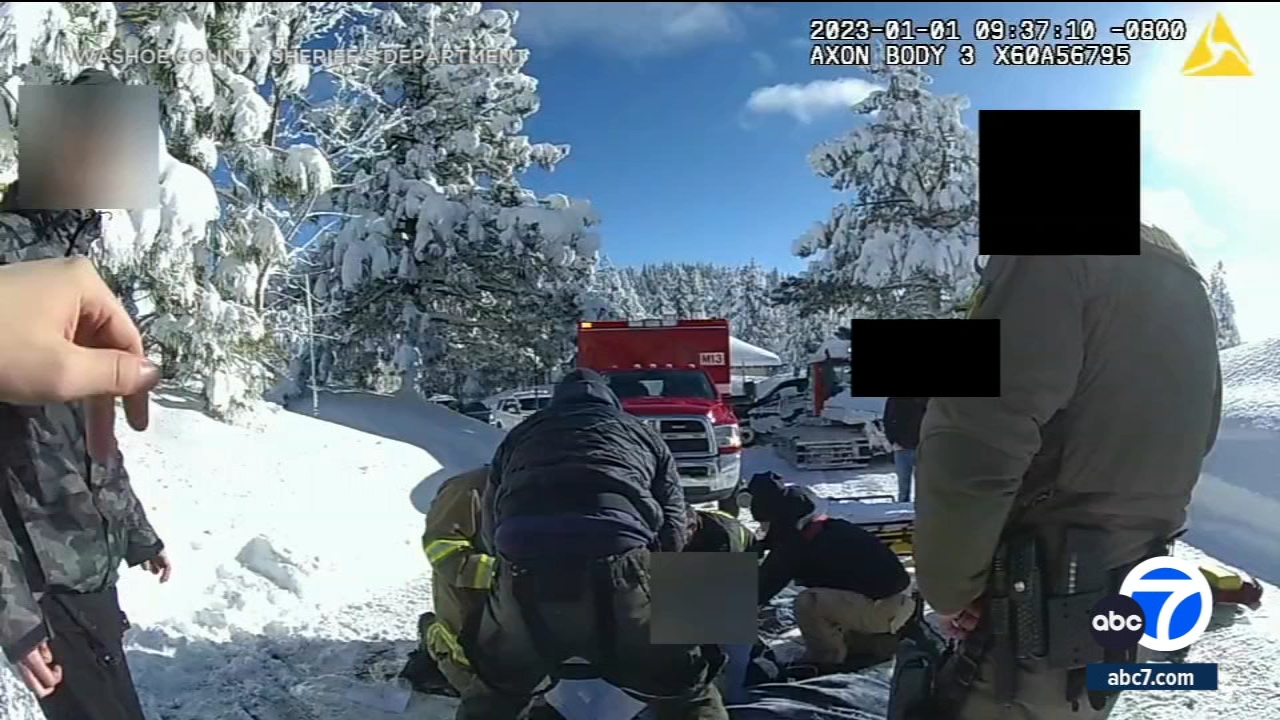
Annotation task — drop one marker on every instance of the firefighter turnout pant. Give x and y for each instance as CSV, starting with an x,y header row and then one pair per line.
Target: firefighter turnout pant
x,y
454,599
542,614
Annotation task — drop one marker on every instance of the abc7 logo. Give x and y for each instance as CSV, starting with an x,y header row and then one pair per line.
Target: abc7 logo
x,y
1164,604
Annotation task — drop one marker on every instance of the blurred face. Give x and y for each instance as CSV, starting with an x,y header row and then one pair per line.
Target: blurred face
x,y
87,165
88,148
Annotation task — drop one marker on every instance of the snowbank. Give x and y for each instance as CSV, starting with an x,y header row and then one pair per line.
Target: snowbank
x,y
454,442
272,523
1251,384
297,553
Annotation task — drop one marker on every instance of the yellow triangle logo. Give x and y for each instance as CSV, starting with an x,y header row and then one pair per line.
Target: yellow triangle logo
x,y
1217,53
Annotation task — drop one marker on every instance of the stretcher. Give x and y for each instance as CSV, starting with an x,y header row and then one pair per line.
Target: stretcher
x,y
881,515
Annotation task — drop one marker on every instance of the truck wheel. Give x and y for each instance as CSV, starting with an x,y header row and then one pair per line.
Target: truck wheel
x,y
748,437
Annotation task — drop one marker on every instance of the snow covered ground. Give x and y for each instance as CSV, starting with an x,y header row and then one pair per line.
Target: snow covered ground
x,y
299,576
1233,515
298,563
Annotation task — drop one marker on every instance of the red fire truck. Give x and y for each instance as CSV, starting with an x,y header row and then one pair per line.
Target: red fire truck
x,y
675,375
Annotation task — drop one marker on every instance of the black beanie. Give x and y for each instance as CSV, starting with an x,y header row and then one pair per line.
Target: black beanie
x,y
96,77
764,491
784,506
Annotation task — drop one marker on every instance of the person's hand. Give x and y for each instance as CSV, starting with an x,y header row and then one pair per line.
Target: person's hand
x,y
958,625
159,565
66,338
897,447
39,672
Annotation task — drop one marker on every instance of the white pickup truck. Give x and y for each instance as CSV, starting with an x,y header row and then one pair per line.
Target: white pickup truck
x,y
511,410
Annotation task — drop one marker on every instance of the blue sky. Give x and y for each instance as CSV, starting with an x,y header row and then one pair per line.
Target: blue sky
x,y
691,122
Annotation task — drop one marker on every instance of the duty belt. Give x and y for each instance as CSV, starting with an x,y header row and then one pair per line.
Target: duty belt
x,y
1007,633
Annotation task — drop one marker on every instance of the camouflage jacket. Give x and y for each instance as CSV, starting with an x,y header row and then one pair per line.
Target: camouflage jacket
x,y
68,522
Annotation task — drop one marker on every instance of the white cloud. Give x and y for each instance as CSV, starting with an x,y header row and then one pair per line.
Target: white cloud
x,y
1173,212
764,62
1221,128
634,29
1250,274
810,100
1221,132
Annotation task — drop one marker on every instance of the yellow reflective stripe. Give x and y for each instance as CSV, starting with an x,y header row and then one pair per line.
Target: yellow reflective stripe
x,y
438,550
441,637
722,513
747,537
477,573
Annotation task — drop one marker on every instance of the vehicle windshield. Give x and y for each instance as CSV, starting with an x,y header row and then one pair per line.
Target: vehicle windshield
x,y
533,404
661,383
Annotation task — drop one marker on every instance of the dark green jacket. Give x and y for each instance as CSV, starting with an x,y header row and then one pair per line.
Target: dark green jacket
x,y
1110,399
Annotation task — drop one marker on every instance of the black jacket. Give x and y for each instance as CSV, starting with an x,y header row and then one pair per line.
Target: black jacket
x,y
839,555
902,417
581,446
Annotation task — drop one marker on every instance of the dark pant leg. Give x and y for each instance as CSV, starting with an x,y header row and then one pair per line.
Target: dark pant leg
x,y
506,663
676,680
88,643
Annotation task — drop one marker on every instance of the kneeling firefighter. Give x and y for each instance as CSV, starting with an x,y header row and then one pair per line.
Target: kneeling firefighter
x,y
461,575
579,496
1034,505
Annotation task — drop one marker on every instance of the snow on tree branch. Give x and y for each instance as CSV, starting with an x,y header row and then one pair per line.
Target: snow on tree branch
x,y
1224,308
441,249
908,234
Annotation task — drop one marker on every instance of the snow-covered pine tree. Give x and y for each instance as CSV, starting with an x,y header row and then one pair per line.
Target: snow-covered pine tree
x,y
610,295
145,254
753,318
905,244
42,43
1224,308
218,310
445,252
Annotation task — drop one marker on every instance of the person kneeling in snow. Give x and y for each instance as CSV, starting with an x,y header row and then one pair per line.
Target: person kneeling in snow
x,y
461,575
857,592
579,496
